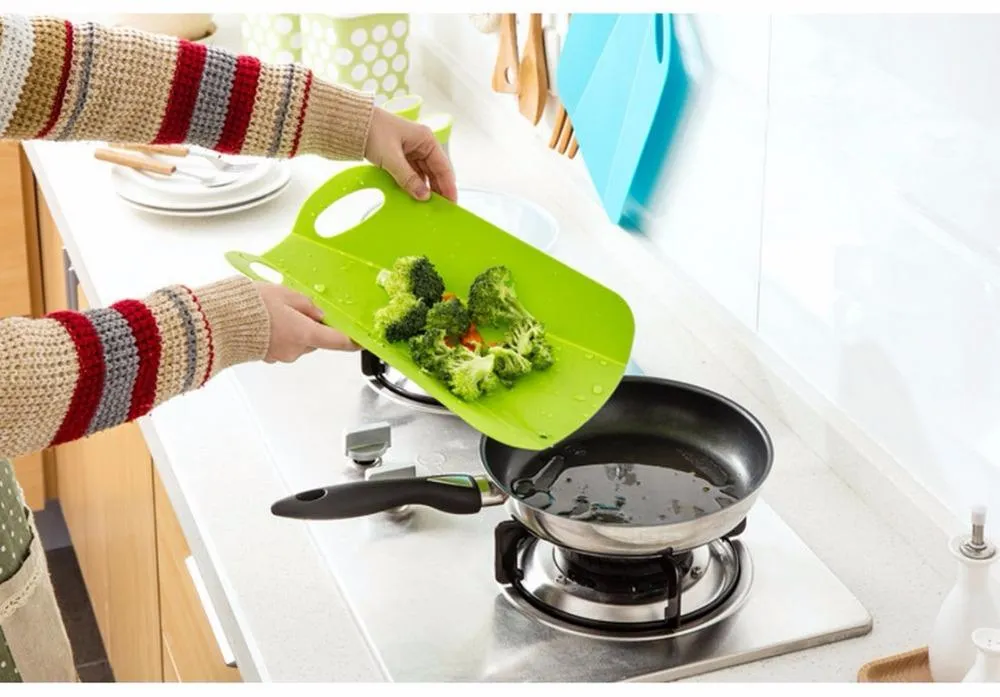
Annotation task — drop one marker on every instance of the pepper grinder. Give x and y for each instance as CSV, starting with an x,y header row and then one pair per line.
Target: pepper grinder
x,y
968,606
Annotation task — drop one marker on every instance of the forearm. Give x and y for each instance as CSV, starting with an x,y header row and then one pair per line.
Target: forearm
x,y
64,81
72,374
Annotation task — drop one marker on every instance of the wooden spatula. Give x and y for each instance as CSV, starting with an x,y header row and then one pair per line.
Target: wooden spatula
x,y
533,79
506,68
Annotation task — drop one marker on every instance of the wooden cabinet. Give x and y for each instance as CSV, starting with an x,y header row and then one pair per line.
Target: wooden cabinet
x,y
131,550
20,282
190,650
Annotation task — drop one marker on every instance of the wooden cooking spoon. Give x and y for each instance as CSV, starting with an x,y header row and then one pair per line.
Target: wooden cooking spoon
x,y
505,70
533,79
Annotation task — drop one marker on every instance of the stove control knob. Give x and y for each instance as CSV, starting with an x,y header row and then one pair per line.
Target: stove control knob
x,y
367,444
402,472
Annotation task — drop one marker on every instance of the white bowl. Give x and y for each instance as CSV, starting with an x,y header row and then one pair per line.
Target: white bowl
x,y
517,216
520,217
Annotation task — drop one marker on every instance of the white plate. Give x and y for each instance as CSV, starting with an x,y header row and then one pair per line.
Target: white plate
x,y
133,190
208,212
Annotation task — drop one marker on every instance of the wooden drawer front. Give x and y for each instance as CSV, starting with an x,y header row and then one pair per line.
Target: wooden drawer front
x,y
15,271
191,652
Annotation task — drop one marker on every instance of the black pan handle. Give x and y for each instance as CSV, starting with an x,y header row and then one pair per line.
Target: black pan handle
x,y
453,493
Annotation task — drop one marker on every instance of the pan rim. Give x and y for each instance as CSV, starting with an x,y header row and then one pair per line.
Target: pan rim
x,y
751,494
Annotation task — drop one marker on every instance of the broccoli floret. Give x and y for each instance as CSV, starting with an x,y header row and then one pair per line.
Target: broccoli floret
x,y
471,376
402,318
431,352
414,276
527,338
509,365
450,316
492,299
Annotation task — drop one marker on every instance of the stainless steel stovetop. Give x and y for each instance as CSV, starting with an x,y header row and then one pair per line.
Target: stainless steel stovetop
x,y
423,591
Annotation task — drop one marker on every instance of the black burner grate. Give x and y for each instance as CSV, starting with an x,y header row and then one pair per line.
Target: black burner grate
x,y
637,577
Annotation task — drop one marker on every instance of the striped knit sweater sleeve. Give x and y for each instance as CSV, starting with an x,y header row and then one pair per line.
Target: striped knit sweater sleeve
x,y
65,81
72,374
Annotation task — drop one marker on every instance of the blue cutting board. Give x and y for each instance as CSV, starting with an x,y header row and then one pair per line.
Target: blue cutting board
x,y
622,81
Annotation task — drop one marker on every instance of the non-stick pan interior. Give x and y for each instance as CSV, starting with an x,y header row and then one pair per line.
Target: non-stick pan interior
x,y
659,452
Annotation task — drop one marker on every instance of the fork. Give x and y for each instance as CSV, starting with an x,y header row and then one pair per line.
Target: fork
x,y
214,158
146,165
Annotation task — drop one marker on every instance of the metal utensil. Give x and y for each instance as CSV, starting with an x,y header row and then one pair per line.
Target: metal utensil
x,y
533,77
215,159
651,440
506,68
150,166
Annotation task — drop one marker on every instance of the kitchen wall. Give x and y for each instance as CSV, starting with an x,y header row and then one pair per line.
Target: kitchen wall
x,y
837,188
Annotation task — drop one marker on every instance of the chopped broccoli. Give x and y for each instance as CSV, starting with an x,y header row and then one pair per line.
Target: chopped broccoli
x,y
509,365
527,338
492,299
471,375
449,316
402,318
431,352
441,331
414,276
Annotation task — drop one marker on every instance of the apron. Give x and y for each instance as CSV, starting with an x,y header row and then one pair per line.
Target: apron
x,y
34,646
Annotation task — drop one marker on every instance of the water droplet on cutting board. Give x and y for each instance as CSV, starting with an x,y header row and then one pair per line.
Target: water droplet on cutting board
x,y
589,356
319,288
579,397
598,389
603,362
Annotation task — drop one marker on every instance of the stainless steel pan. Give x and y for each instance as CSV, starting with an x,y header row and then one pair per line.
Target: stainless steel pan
x,y
662,466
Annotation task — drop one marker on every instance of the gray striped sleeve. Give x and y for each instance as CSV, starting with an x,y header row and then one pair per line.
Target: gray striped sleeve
x,y
286,98
190,336
121,366
212,103
86,41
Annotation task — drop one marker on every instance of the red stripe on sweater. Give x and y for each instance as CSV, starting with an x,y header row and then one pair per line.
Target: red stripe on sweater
x,y
241,100
208,331
89,383
63,82
148,343
183,92
302,113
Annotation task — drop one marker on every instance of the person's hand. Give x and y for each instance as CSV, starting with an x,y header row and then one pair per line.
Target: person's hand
x,y
295,326
411,154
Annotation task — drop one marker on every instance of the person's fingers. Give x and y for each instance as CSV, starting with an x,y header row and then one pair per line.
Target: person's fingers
x,y
323,337
406,176
299,302
440,172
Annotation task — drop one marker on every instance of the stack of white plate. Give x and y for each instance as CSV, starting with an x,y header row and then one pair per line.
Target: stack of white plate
x,y
177,195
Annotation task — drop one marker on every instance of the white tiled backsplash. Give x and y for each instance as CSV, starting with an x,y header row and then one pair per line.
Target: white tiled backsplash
x,y
837,188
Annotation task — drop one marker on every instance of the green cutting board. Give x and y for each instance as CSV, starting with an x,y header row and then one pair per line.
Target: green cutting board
x,y
589,326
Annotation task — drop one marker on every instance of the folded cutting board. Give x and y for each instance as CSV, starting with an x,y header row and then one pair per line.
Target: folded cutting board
x,y
622,81
590,327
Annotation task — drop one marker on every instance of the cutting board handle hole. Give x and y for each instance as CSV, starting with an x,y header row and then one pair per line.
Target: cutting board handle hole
x,y
348,212
266,272
658,30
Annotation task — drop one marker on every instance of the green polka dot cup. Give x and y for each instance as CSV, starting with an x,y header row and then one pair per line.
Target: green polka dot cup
x,y
273,38
370,53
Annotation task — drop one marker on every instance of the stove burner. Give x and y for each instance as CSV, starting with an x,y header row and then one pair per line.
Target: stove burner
x,y
621,598
397,387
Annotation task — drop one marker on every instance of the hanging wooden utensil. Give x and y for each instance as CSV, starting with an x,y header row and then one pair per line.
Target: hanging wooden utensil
x,y
558,127
505,72
532,79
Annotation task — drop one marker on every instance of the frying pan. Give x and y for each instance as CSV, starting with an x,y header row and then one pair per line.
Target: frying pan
x,y
662,466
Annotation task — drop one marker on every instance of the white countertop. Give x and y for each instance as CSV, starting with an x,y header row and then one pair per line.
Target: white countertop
x,y
280,606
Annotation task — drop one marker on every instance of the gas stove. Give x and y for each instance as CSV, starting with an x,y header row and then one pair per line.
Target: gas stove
x,y
477,598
